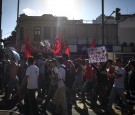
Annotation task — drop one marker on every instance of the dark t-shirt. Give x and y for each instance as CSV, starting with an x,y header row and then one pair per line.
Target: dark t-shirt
x,y
101,78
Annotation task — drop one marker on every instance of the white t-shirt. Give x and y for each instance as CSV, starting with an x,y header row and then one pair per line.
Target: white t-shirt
x,y
32,72
55,70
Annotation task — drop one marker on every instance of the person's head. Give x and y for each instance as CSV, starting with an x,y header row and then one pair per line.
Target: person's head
x,y
132,65
70,62
31,60
87,62
118,62
65,56
47,63
83,62
60,60
53,62
79,61
98,64
109,63
40,55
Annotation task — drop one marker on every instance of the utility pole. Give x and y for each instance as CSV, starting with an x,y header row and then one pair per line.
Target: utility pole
x,y
17,27
18,10
0,20
102,22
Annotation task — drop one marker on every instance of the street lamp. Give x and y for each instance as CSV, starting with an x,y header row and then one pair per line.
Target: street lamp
x,y
102,22
117,17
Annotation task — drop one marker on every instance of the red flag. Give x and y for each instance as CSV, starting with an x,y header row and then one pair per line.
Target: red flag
x,y
27,49
93,43
57,46
67,51
60,46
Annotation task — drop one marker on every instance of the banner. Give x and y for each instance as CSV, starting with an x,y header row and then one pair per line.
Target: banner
x,y
27,48
97,54
116,48
73,48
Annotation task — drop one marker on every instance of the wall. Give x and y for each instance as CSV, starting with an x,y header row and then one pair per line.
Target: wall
x,y
126,30
74,33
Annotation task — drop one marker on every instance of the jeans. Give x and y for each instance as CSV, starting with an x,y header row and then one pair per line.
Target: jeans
x,y
114,92
31,107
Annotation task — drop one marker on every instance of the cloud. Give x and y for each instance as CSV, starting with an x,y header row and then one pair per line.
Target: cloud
x,y
31,12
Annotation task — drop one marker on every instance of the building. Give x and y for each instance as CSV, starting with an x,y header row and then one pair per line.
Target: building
x,y
126,29
47,26
78,33
107,19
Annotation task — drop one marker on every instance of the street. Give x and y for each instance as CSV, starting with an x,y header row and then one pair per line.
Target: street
x,y
11,106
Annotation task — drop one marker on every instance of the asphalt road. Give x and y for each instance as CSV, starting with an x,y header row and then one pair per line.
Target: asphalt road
x,y
11,106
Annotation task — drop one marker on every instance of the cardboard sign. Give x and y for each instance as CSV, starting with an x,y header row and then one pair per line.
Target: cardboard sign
x,y
97,54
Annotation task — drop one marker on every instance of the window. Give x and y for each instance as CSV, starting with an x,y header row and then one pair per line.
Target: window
x,y
47,33
37,33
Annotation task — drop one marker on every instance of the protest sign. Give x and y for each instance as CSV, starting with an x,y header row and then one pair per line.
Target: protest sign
x,y
97,54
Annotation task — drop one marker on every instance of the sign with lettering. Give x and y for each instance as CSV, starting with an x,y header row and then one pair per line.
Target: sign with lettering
x,y
97,54
39,48
82,49
36,48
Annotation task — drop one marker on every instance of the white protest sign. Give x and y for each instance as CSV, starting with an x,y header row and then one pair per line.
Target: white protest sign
x,y
97,54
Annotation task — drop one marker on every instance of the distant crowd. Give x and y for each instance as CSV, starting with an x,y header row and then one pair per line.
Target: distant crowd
x,y
61,81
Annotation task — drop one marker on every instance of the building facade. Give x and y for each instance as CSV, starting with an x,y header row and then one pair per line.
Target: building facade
x,y
126,29
79,33
47,27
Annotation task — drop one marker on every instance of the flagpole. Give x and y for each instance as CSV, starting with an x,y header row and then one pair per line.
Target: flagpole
x,y
0,20
18,10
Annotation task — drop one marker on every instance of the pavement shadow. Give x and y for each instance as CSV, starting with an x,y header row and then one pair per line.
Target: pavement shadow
x,y
98,109
81,111
9,104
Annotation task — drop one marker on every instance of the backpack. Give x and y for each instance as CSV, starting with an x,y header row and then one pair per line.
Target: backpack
x,y
69,80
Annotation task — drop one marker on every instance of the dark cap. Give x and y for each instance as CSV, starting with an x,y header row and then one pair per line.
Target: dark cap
x,y
31,59
118,60
60,59
65,56
40,55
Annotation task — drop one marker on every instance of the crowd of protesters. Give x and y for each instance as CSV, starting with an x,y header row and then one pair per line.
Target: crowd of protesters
x,y
105,82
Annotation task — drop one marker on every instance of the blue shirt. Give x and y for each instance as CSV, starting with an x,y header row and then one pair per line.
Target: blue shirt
x,y
41,66
119,82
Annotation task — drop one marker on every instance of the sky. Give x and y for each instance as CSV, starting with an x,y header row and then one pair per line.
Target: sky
x,y
72,9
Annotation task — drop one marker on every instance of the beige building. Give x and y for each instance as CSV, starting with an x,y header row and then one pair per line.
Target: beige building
x,y
126,29
47,27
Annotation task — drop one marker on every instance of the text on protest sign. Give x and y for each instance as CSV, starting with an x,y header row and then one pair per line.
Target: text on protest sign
x,y
97,54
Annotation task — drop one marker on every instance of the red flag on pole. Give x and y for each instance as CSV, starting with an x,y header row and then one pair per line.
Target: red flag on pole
x,y
57,46
67,51
60,46
27,49
93,43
